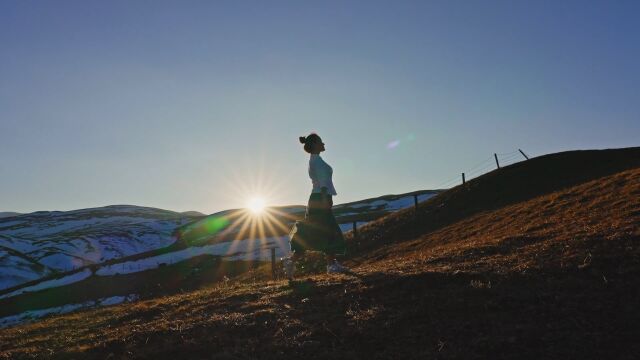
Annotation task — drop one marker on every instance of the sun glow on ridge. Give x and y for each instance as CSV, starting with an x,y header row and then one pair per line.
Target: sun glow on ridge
x,y
256,205
256,224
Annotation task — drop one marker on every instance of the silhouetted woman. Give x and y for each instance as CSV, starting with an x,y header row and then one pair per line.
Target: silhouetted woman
x,y
321,230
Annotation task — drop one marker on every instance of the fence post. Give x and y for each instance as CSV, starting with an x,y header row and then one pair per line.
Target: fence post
x,y
463,179
497,163
355,230
523,154
273,263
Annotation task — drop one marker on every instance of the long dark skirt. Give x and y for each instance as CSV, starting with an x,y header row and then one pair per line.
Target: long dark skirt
x,y
319,231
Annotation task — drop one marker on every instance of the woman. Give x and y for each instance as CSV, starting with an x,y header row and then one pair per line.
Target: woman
x,y
321,230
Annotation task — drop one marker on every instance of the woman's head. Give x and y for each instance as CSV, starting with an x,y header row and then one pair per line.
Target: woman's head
x,y
312,143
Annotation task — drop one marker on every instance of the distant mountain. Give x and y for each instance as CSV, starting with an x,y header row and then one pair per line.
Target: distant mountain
x,y
45,242
192,213
8,214
235,224
58,246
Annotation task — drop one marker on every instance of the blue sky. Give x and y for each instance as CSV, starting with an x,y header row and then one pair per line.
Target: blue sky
x,y
197,105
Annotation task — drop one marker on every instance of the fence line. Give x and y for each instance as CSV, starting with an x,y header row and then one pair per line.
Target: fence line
x,y
498,160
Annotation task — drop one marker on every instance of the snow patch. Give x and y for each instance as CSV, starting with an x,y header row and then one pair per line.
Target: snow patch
x,y
38,314
395,204
51,283
349,226
231,250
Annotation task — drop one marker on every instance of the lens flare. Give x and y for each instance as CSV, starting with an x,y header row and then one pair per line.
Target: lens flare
x,y
395,143
203,230
257,224
215,224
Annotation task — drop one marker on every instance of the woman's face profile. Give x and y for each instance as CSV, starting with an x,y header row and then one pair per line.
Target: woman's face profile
x,y
319,145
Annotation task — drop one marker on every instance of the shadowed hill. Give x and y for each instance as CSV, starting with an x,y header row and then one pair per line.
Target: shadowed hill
x,y
512,184
537,260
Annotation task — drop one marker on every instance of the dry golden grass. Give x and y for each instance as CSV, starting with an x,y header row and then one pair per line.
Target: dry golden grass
x,y
586,224
550,274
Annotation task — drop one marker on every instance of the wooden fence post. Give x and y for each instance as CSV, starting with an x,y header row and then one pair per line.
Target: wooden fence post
x,y
497,163
523,154
273,263
463,179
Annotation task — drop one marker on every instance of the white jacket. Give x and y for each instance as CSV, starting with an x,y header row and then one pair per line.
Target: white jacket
x,y
320,173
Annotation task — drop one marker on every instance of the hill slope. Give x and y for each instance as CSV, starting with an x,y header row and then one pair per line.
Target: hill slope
x,y
43,243
207,246
537,260
8,214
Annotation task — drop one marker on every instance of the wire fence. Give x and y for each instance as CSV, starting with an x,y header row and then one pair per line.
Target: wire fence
x,y
497,161
494,162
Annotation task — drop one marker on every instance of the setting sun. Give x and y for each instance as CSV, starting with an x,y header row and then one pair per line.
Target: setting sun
x,y
256,205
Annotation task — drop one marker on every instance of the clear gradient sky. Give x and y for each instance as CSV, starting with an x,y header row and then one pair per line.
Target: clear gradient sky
x,y
197,105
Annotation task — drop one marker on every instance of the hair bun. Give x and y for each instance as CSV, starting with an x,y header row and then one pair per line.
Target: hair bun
x,y
303,140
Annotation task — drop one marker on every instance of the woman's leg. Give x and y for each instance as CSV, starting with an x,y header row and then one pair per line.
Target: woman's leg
x,y
303,241
335,242
328,204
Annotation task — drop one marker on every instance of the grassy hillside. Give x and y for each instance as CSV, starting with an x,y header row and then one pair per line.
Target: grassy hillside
x,y
540,259
172,268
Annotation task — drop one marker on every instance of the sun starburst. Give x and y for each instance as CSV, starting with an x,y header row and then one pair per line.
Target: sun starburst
x,y
256,205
